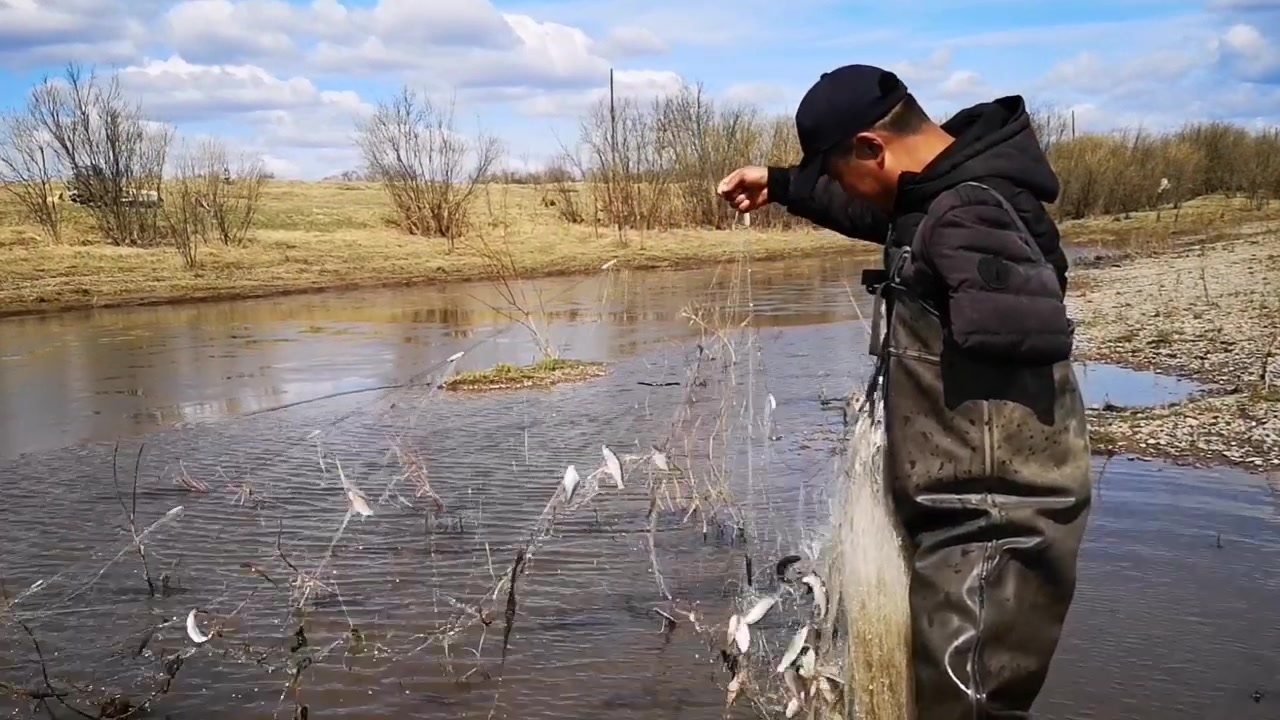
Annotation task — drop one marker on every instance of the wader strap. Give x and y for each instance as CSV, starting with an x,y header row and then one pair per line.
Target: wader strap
x,y
880,283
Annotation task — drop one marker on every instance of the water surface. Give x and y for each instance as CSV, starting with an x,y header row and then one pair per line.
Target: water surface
x,y
1175,616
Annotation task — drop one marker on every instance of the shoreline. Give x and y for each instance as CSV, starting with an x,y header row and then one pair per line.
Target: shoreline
x,y
1209,314
774,247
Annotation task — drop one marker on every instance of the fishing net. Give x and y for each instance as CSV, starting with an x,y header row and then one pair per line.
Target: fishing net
x,y
662,537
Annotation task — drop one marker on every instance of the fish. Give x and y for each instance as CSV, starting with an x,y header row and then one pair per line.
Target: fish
x,y
819,594
660,460
570,483
609,264
456,356
193,630
793,650
732,631
359,505
793,682
735,686
758,611
612,465
808,663
743,637
773,404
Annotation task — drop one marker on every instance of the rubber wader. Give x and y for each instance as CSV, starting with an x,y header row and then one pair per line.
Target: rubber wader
x,y
988,466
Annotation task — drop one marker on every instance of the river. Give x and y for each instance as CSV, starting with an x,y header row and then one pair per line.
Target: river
x,y
227,409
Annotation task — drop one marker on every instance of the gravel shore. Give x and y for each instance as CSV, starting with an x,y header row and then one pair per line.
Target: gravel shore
x,y
1210,314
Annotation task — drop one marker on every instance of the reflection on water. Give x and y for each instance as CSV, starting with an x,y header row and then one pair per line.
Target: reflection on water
x,y
1175,614
1104,384
88,376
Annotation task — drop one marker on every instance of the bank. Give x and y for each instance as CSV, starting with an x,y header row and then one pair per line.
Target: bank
x,y
38,277
1208,313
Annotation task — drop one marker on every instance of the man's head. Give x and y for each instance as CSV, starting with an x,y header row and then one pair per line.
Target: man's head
x,y
861,127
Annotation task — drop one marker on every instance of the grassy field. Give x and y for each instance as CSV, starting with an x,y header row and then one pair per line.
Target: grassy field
x,y
315,236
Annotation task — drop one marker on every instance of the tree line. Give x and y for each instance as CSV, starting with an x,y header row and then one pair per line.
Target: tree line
x,y
632,166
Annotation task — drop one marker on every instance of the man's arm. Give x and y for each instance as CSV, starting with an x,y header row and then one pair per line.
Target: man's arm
x,y
829,207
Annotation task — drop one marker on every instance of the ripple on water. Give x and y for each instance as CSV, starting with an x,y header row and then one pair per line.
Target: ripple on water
x,y
1166,624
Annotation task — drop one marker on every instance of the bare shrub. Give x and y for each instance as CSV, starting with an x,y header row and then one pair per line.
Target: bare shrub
x,y
186,213
504,273
29,168
232,190
430,172
624,167
652,166
114,156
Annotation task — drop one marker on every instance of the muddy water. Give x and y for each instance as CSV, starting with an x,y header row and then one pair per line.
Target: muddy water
x,y
1175,618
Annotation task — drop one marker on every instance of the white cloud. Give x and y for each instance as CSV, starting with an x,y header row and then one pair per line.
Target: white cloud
x,y
41,32
639,85
762,94
935,77
624,42
176,90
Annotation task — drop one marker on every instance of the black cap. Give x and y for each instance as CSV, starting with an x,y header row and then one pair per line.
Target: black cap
x,y
844,102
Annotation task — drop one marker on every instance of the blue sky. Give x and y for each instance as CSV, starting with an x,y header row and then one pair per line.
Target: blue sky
x,y
289,78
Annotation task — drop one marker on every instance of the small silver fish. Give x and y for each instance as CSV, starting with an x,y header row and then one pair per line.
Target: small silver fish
x,y
193,630
819,594
758,611
735,686
743,637
732,631
793,683
808,663
793,650
570,483
609,264
358,504
612,465
456,356
660,460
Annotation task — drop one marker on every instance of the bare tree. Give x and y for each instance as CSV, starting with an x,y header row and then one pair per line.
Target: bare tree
x,y
114,156
232,195
186,212
430,171
29,168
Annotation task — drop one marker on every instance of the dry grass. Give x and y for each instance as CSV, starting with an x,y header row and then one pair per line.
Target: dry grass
x,y
313,236
544,373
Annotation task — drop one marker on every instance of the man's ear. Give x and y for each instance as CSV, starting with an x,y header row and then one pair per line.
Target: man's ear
x,y
866,146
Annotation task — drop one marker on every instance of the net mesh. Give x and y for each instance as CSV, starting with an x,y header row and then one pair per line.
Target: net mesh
x,y
367,553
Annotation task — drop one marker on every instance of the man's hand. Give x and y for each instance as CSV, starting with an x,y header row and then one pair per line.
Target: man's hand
x,y
746,188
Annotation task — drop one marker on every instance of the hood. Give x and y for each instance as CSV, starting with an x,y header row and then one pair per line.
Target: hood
x,y
993,139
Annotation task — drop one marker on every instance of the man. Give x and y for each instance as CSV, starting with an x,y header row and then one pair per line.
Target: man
x,y
987,454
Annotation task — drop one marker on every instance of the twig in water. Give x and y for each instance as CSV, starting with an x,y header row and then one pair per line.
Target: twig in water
x,y
131,511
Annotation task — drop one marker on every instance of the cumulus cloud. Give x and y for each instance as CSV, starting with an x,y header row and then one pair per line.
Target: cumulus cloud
x,y
40,32
176,90
935,77
639,85
459,44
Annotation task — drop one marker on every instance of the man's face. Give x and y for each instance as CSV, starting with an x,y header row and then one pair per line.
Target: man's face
x,y
867,173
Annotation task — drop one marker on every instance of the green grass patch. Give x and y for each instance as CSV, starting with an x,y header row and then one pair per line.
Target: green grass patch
x,y
544,373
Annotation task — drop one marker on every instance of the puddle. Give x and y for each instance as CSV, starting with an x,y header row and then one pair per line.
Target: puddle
x,y
1104,384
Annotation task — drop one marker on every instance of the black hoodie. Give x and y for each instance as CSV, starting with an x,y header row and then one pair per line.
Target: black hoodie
x,y
1003,305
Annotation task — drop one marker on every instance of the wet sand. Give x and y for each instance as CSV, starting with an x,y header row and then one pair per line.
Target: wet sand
x,y
1173,618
